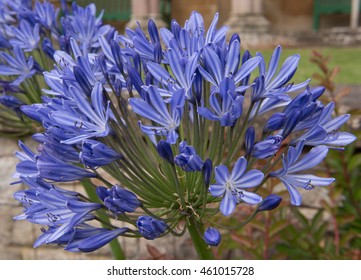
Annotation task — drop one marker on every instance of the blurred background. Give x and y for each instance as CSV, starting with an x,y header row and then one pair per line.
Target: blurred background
x,y
327,35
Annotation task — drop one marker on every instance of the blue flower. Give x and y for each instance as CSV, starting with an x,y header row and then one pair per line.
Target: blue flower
x,y
212,236
268,147
85,28
57,170
157,111
91,120
151,228
188,159
59,210
229,109
269,203
231,186
95,154
183,69
291,175
25,36
46,14
118,200
215,70
18,65
324,130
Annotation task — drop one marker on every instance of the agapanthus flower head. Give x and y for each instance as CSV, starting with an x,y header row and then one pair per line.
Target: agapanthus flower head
x,y
168,121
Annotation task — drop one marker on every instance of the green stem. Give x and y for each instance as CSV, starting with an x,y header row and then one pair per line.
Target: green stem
x,y
115,247
195,230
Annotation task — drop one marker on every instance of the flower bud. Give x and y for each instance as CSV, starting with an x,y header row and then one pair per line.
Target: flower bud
x,y
269,203
249,143
150,228
275,122
82,80
95,154
188,158
117,55
207,172
118,200
165,151
212,236
267,147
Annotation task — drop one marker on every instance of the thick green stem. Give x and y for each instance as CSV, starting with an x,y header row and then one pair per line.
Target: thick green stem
x,y
195,230
115,247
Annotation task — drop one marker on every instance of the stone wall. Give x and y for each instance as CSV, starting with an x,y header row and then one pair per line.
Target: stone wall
x,y
17,237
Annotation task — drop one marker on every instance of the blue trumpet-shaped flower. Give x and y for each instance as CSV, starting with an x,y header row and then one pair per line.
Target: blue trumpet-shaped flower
x,y
231,186
324,130
292,174
215,69
156,110
18,65
151,228
91,120
25,36
54,208
226,104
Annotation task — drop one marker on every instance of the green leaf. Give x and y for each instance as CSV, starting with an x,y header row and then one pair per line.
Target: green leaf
x,y
278,226
354,162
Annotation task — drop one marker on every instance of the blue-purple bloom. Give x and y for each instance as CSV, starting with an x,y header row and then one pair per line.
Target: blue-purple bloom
x,y
231,186
25,36
291,175
157,111
228,111
18,65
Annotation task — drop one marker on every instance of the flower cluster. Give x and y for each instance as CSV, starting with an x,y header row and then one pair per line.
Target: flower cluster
x,y
169,122
30,33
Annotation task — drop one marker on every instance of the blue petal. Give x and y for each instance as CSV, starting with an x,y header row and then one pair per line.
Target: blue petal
x,y
249,180
228,203
310,160
273,64
217,190
239,169
251,198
